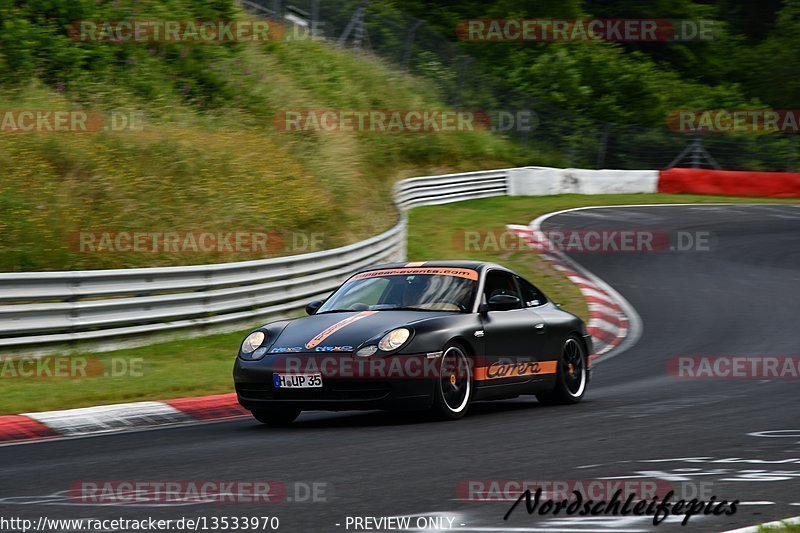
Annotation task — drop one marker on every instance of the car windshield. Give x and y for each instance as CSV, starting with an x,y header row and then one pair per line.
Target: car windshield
x,y
428,289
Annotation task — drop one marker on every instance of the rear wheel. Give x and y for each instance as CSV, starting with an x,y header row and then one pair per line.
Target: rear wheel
x,y
571,375
276,416
453,390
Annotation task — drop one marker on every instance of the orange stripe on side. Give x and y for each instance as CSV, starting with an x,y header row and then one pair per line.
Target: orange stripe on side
x,y
514,370
327,332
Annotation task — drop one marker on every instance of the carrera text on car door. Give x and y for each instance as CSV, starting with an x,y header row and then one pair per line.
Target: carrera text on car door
x,y
514,338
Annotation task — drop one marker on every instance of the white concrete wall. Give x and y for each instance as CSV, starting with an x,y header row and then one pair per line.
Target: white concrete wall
x,y
543,181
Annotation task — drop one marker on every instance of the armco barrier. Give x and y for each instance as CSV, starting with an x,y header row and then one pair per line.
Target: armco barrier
x,y
730,182
44,312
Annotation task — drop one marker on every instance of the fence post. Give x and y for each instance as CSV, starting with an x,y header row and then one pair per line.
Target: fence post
x,y
696,153
356,23
527,131
409,44
601,154
314,18
462,69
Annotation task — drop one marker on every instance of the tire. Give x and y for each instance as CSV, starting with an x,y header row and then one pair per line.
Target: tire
x,y
572,375
453,390
276,416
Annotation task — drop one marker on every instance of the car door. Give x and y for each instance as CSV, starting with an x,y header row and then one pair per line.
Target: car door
x,y
551,329
514,339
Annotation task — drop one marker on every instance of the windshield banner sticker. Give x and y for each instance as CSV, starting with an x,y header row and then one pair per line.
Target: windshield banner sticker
x,y
441,271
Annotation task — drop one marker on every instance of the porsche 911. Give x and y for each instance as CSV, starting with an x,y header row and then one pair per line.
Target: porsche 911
x,y
433,336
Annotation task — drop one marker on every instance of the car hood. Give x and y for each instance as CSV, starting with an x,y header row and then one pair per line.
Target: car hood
x,y
342,332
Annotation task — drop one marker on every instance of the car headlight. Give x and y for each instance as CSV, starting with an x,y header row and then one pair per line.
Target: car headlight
x,y
394,339
253,341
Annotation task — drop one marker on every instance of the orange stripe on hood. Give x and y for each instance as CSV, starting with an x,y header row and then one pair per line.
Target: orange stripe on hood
x,y
327,332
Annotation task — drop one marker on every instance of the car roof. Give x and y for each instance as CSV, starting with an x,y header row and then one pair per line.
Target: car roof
x,y
473,265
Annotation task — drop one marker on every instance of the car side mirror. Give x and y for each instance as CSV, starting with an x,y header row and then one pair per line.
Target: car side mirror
x,y
312,307
503,302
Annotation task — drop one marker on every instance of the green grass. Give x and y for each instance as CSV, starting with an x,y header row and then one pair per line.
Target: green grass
x,y
203,365
192,367
785,528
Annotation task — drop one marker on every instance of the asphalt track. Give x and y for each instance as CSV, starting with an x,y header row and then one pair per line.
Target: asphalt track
x,y
740,298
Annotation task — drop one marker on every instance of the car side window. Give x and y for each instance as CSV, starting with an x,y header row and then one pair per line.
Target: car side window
x,y
499,282
531,296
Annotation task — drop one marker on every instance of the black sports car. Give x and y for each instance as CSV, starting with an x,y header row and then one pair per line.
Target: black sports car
x,y
435,335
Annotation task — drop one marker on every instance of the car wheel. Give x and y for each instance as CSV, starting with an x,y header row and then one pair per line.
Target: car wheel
x,y
453,390
571,375
276,416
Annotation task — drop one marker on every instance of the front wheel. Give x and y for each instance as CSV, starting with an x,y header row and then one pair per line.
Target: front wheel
x,y
276,416
453,390
571,376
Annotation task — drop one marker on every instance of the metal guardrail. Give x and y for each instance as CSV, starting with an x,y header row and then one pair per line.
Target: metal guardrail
x,y
433,190
48,311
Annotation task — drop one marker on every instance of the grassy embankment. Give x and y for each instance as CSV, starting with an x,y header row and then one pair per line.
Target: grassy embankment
x,y
208,155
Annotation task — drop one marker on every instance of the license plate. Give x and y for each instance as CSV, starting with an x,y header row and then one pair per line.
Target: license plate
x,y
297,381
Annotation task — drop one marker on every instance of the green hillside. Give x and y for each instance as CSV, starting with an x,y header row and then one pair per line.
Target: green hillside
x,y
205,155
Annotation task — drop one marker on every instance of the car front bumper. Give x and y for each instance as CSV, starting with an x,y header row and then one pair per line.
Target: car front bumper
x,y
348,382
